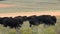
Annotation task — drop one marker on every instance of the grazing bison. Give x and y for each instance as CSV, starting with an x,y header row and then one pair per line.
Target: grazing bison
x,y
33,20
11,22
42,19
19,19
47,19
5,21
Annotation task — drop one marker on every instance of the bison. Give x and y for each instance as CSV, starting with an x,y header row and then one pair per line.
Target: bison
x,y
47,19
33,20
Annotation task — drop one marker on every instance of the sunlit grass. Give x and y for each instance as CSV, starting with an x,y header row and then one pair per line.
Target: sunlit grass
x,y
26,31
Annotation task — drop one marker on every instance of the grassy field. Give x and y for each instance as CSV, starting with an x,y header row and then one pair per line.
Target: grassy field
x,y
25,29
30,5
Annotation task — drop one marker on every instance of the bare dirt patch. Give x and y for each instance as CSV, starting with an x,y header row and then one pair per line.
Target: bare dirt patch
x,y
6,5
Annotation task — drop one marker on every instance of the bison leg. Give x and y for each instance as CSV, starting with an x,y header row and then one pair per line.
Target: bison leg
x,y
17,30
30,25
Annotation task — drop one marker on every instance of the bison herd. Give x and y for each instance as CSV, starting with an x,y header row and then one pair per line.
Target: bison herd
x,y
17,21
42,19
